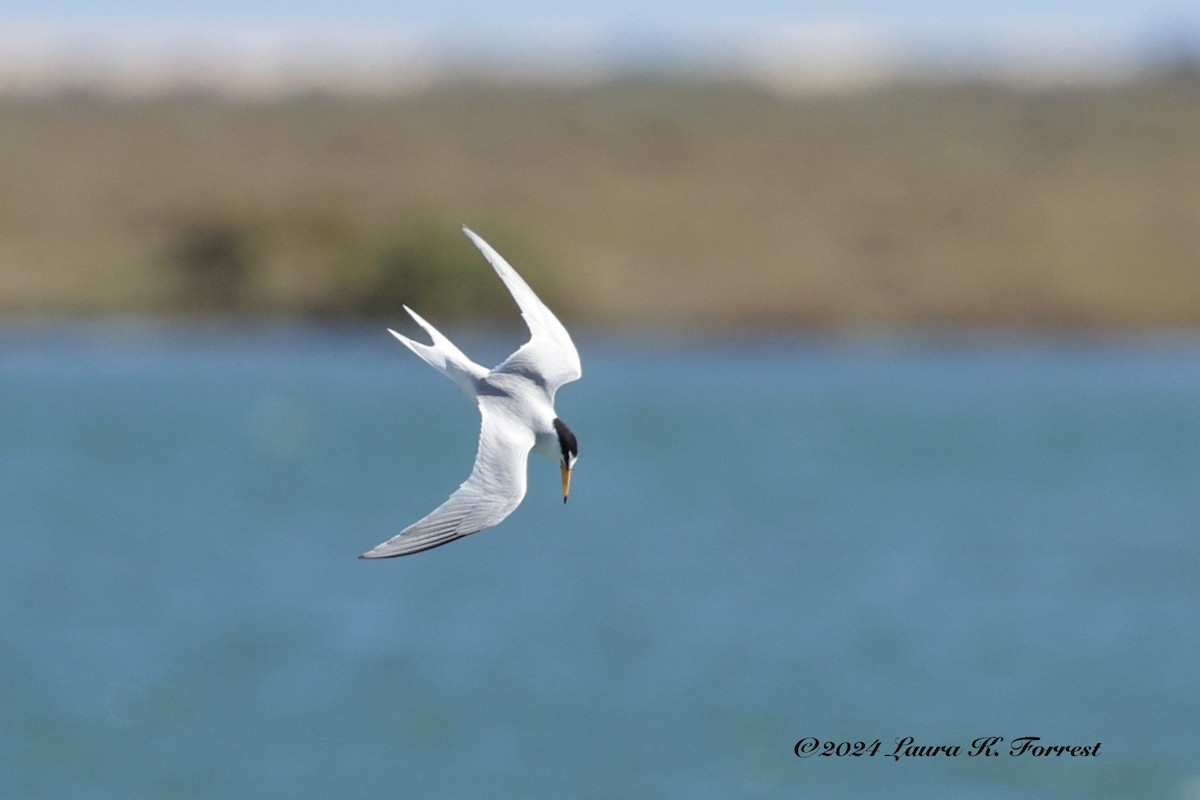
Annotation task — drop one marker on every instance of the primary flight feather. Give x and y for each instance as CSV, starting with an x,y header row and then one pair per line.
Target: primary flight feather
x,y
516,404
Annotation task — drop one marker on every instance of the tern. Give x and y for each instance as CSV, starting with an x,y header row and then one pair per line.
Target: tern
x,y
516,402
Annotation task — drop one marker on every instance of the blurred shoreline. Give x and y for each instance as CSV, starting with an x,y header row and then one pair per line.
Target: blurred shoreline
x,y
645,200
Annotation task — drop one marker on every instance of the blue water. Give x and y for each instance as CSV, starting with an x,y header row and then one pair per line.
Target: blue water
x,y
767,539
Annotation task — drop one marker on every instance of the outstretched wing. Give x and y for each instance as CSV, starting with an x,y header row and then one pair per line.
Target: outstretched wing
x,y
549,358
494,489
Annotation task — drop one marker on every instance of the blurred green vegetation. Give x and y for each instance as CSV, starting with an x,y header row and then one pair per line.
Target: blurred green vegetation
x,y
643,201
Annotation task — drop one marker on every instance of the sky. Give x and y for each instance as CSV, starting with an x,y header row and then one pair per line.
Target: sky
x,y
43,40
664,12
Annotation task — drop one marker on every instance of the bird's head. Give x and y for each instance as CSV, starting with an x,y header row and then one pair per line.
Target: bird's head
x,y
570,454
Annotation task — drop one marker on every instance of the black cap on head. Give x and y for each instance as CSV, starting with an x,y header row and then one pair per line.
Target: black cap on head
x,y
566,440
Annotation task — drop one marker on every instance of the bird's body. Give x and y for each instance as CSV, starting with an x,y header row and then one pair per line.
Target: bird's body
x,y
516,404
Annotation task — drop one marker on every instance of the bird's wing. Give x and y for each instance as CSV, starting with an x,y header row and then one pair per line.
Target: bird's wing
x,y
549,358
495,487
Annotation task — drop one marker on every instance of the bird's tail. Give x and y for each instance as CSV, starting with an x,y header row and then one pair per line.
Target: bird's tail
x,y
443,356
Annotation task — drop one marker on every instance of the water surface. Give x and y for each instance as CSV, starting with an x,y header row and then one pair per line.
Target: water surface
x,y
766,540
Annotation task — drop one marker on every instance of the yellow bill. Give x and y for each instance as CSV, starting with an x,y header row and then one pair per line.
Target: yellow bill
x,y
566,476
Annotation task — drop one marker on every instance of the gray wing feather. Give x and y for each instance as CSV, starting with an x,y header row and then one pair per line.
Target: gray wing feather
x,y
549,358
494,489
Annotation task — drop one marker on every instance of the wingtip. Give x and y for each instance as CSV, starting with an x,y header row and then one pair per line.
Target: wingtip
x,y
474,237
